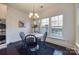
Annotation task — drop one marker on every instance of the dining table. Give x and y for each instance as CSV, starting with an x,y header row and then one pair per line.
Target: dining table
x,y
38,35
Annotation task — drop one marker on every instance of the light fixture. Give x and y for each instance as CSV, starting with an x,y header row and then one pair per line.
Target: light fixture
x,y
33,15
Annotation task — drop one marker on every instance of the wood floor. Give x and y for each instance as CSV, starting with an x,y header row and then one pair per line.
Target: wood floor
x,y
56,50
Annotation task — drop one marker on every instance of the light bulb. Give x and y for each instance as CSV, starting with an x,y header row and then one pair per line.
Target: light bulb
x,y
36,14
30,15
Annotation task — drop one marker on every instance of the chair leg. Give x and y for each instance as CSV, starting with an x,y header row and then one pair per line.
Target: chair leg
x,y
44,44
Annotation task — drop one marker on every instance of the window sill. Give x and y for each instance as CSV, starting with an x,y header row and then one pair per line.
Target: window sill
x,y
55,37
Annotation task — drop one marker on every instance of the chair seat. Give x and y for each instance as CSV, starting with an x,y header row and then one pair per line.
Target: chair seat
x,y
35,48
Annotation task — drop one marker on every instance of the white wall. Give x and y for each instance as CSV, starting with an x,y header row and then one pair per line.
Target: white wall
x,y
12,29
77,24
68,23
77,28
3,11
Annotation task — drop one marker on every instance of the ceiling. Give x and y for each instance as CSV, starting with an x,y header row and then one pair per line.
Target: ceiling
x,y
28,7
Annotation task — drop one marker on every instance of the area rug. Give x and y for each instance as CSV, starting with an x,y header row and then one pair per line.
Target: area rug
x,y
43,50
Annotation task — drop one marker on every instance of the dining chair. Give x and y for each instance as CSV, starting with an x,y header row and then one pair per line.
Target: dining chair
x,y
32,44
22,35
44,38
24,46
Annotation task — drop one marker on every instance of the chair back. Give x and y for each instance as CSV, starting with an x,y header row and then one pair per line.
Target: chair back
x,y
31,40
45,36
22,35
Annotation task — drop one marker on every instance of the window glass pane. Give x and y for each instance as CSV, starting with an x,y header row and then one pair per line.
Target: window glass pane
x,y
53,20
56,21
36,26
61,20
56,26
44,25
34,22
45,22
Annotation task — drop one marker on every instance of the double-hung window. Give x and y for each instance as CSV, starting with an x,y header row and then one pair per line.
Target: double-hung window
x,y
36,26
57,26
44,25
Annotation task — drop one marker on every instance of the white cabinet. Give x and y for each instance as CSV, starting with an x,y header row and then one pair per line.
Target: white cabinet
x,y
3,14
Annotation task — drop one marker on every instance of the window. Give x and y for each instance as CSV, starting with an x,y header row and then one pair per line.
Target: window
x,y
44,25
36,26
54,26
57,26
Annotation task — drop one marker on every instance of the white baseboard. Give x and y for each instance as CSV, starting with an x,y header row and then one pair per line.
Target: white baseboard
x,y
3,46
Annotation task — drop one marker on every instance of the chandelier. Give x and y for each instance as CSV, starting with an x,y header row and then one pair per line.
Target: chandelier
x,y
33,15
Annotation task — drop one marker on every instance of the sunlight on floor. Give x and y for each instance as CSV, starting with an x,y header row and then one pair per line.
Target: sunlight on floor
x,y
56,52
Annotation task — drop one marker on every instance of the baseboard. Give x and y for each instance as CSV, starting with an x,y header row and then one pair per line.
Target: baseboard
x,y
77,48
13,42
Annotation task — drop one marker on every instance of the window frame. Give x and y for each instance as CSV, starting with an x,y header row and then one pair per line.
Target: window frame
x,y
52,26
41,23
